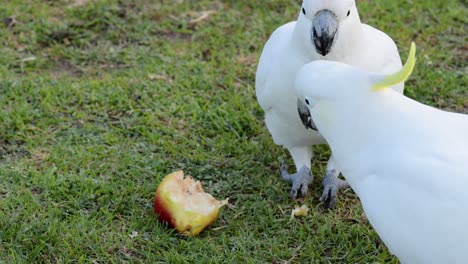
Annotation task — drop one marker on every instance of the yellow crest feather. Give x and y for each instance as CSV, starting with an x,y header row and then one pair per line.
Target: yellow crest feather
x,y
401,75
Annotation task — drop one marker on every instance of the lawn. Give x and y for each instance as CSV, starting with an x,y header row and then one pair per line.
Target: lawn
x,y
101,99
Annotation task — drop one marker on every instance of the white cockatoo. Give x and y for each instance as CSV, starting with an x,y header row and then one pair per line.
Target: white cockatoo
x,y
407,162
327,30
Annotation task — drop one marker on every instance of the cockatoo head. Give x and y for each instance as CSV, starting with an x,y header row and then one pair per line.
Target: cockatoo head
x,y
322,85
322,21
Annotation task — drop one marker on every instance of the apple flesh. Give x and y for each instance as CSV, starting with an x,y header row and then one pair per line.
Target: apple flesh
x,y
182,204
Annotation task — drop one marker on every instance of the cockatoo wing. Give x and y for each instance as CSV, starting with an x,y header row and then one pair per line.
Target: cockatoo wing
x,y
383,47
421,221
416,197
269,66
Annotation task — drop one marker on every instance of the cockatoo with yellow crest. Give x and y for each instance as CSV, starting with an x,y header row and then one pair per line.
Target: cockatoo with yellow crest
x,y
324,30
407,162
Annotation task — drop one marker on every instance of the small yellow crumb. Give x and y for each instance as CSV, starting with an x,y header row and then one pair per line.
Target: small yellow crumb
x,y
300,211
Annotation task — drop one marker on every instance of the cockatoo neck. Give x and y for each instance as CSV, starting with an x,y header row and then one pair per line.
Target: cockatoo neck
x,y
301,41
349,40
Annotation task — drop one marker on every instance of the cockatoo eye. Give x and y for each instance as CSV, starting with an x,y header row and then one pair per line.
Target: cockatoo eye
x,y
349,12
309,102
303,11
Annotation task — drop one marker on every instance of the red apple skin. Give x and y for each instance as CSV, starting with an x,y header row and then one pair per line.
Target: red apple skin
x,y
160,209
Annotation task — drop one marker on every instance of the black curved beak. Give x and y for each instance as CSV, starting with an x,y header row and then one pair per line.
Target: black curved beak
x,y
304,114
324,30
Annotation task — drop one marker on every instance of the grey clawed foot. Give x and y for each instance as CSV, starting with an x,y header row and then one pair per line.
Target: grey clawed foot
x,y
300,180
331,185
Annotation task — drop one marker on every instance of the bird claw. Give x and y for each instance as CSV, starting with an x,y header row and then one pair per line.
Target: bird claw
x,y
300,181
331,185
300,186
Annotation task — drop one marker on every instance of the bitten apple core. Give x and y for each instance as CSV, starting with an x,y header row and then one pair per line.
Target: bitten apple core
x,y
181,202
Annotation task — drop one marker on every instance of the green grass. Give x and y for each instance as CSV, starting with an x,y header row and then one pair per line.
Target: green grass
x,y
99,101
